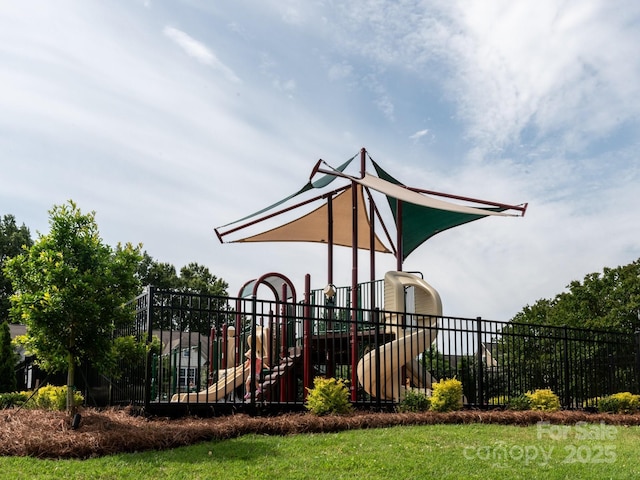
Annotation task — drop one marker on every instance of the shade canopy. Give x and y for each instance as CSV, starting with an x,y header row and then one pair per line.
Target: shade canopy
x,y
418,214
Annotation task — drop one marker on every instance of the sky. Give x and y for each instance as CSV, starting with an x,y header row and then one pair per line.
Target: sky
x,y
170,118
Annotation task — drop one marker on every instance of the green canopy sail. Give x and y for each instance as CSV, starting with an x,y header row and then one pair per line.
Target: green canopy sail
x,y
418,223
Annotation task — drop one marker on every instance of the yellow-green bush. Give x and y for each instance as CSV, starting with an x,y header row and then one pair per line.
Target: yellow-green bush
x,y
623,402
543,399
328,395
447,395
52,397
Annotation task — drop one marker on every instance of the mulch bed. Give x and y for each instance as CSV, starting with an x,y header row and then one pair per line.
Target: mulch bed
x,y
46,434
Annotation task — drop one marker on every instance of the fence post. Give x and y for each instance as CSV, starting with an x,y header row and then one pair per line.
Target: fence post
x,y
376,323
567,369
637,369
253,345
148,365
479,366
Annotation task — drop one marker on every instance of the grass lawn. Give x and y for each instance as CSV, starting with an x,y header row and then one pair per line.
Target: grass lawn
x,y
480,451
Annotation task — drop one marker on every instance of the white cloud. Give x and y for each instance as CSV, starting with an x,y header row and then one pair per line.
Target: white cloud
x,y
200,52
548,66
419,134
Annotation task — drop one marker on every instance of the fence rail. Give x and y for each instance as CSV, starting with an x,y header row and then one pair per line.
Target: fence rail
x,y
217,352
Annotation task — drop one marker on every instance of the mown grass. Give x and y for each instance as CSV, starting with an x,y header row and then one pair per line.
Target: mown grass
x,y
432,451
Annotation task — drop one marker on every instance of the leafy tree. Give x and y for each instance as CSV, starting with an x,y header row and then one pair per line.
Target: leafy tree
x,y
607,300
161,275
69,286
12,239
542,334
201,307
196,278
7,360
193,278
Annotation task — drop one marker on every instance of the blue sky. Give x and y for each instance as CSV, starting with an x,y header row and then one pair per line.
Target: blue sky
x,y
171,118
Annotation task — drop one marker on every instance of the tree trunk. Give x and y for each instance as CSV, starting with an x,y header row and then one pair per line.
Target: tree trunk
x,y
71,379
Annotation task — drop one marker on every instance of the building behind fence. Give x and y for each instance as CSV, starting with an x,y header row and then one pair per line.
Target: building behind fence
x,y
217,353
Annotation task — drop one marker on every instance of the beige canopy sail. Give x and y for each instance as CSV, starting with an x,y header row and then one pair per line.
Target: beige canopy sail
x,y
407,195
315,226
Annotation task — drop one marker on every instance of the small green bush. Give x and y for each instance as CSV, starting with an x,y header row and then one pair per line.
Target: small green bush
x,y
447,395
544,399
13,399
328,395
623,402
521,402
414,401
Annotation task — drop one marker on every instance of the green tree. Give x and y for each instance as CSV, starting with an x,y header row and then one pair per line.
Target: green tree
x,y
12,241
158,274
607,300
7,360
69,286
203,303
209,302
542,334
195,278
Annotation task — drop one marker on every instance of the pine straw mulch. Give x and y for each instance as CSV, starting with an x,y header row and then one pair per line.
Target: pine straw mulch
x,y
46,434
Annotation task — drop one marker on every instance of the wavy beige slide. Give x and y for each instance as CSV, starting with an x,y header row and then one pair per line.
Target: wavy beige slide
x,y
393,356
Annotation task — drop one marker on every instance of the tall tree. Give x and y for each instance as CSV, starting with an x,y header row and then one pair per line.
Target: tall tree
x,y
607,300
7,360
195,278
159,274
69,286
12,241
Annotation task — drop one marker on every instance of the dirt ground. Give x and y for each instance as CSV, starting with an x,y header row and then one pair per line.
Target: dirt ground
x,y
46,434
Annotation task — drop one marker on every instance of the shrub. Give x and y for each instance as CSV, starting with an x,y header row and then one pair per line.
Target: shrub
x,y
544,399
623,402
51,397
447,395
521,402
414,401
328,395
13,399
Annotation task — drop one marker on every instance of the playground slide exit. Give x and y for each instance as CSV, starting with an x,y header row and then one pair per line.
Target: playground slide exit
x,y
393,356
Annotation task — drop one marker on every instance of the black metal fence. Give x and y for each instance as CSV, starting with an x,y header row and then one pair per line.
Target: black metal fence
x,y
217,353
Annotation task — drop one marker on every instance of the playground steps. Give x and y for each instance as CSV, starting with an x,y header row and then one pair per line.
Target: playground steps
x,y
281,369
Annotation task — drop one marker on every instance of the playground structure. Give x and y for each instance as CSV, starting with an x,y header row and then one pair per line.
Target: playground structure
x,y
303,348
374,339
384,336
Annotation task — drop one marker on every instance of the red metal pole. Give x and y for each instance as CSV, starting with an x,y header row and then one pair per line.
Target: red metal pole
x,y
354,290
399,240
285,382
307,381
330,240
